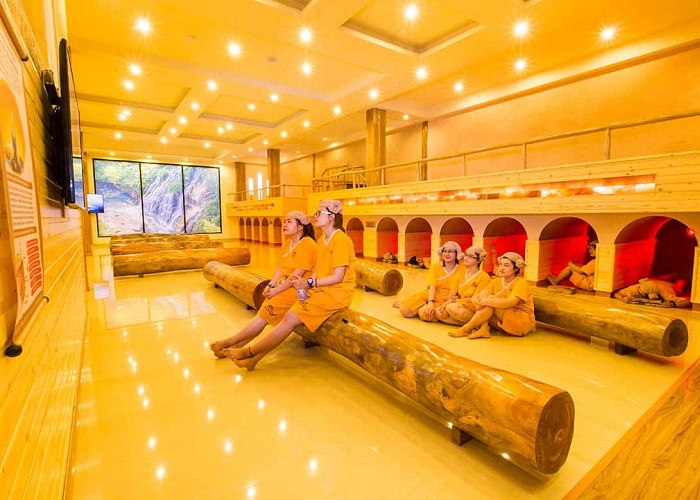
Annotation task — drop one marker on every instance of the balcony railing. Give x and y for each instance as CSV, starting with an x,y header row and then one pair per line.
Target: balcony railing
x,y
279,190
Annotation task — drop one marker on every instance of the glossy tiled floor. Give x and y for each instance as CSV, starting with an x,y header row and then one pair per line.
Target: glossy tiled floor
x,y
160,417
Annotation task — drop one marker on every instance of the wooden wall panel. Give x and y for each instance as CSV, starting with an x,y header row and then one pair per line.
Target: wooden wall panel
x,y
38,389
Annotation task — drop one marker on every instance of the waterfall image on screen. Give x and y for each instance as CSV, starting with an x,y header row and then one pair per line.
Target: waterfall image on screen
x,y
162,198
202,205
120,184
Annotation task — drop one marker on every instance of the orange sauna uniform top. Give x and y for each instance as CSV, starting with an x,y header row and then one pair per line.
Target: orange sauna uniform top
x,y
326,300
301,256
584,281
519,319
445,283
469,288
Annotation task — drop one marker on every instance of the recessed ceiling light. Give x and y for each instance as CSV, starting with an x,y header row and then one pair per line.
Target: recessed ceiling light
x,y
164,140
265,142
229,126
521,29
459,87
234,156
173,130
251,106
607,33
411,12
111,153
220,130
182,120
122,116
306,123
406,117
520,64
250,150
306,68
274,97
149,156
283,133
421,73
211,85
128,85
117,135
234,49
298,152
143,25
305,35
337,110
207,145
186,159
195,106
135,69
325,138
373,94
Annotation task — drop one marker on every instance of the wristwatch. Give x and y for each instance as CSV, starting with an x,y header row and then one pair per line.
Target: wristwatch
x,y
310,282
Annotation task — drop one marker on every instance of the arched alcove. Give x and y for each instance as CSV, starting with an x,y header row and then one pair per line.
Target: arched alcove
x,y
504,234
256,230
241,229
387,237
418,239
277,231
563,240
459,230
655,247
356,231
248,229
265,231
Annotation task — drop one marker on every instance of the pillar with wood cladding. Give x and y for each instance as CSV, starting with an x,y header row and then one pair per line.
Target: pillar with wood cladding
x,y
239,169
273,171
375,150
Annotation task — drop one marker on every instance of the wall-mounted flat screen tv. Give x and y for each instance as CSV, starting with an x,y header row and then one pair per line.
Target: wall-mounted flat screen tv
x,y
68,135
95,203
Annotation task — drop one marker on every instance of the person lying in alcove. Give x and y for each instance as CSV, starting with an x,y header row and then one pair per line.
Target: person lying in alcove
x,y
654,292
506,303
297,260
443,278
460,309
580,276
329,289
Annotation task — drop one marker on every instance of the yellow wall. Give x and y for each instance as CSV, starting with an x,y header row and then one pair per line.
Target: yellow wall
x,y
38,389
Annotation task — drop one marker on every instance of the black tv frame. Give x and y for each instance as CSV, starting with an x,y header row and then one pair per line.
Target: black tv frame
x,y
68,137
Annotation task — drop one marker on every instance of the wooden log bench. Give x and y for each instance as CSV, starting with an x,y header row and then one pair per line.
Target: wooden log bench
x,y
130,244
628,328
529,422
175,260
244,285
383,279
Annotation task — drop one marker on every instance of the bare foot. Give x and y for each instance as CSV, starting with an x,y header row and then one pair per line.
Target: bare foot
x,y
234,353
482,332
218,346
552,279
248,363
395,304
459,332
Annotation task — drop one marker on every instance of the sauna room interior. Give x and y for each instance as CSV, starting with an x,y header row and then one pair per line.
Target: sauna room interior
x,y
528,126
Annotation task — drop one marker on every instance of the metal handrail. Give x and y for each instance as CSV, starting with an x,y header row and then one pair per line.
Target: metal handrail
x,y
278,190
521,144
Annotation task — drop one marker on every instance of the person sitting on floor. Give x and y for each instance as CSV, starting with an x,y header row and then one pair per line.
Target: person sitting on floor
x,y
506,303
652,292
580,276
297,260
461,309
443,278
329,289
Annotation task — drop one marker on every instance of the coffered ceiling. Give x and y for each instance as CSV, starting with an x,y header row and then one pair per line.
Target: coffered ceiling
x,y
263,98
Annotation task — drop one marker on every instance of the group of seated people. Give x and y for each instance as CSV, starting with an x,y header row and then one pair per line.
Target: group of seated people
x,y
316,279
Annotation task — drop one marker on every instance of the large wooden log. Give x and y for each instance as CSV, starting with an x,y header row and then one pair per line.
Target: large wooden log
x,y
138,243
244,285
614,321
529,422
174,260
384,279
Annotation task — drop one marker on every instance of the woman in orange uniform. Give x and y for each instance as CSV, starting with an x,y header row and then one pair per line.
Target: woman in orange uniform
x,y
329,289
506,303
460,310
443,278
297,260
580,276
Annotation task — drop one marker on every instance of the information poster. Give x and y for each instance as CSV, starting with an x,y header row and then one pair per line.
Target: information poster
x,y
18,182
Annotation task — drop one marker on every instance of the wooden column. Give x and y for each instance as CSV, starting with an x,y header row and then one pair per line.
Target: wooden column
x,y
375,149
239,169
423,166
273,171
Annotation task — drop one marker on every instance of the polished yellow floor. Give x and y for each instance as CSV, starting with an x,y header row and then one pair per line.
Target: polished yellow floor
x,y
160,417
